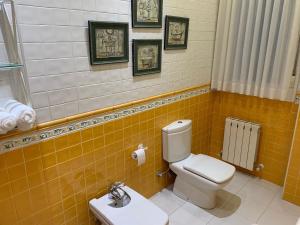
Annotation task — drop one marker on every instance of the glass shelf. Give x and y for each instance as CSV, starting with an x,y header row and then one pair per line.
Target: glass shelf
x,y
9,66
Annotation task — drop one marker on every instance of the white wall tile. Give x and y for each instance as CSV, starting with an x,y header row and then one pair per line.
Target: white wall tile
x,y
43,114
57,50
80,49
63,110
31,33
63,83
89,5
35,68
5,90
40,100
62,96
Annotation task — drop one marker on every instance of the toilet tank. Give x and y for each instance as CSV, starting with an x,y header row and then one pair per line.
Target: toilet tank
x,y
177,140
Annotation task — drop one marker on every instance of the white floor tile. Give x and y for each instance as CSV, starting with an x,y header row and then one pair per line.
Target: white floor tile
x,y
251,210
191,215
228,209
283,206
238,182
245,201
167,201
273,217
256,196
231,220
224,196
265,184
280,212
228,201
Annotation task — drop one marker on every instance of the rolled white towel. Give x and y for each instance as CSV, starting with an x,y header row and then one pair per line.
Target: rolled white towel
x,y
7,121
25,115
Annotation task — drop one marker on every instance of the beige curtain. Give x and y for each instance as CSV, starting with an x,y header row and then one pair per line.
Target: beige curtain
x,y
256,47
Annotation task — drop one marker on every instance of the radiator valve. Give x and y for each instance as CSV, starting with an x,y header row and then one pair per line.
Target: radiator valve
x,y
259,167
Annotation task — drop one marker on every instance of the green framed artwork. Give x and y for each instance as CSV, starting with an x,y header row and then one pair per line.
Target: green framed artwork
x,y
176,32
146,13
146,57
108,42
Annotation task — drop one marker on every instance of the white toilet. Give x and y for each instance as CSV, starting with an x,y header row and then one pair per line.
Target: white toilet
x,y
139,211
199,177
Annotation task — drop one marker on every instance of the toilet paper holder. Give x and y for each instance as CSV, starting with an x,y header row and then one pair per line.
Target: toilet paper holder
x,y
140,146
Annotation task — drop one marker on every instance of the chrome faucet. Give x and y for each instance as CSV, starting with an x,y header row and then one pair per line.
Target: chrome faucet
x,y
117,193
114,192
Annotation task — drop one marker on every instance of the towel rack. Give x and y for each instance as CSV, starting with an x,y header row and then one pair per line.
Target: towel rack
x,y
12,67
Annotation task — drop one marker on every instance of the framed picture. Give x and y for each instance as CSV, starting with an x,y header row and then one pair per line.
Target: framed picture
x,y
146,57
108,42
176,32
147,13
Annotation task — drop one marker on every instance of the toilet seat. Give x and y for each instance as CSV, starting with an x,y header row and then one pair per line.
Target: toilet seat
x,y
210,168
139,211
193,177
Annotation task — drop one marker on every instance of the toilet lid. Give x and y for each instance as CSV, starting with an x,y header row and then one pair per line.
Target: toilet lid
x,y
210,168
140,211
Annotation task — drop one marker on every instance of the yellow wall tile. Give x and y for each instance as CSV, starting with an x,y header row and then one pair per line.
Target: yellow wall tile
x,y
4,176
98,131
5,192
8,212
75,138
34,166
19,185
35,179
22,205
87,134
38,198
17,172
277,120
292,182
13,158
47,147
49,160
31,152
55,179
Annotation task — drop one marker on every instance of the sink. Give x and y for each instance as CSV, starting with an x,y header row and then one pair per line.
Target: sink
x,y
122,202
138,210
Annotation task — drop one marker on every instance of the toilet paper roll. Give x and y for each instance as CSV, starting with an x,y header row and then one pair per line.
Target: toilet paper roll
x,y
140,156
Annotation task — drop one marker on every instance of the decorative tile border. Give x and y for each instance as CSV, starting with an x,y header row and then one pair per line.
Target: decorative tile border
x,y
38,136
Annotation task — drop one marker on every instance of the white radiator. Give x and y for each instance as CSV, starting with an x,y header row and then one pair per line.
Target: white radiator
x,y
240,145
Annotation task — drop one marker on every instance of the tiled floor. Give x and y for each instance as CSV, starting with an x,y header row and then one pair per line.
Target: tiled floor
x,y
245,201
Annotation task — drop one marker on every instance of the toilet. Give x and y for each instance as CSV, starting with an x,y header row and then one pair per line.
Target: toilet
x,y
139,211
199,177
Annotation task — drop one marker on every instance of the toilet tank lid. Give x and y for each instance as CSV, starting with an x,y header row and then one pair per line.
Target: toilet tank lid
x,y
177,126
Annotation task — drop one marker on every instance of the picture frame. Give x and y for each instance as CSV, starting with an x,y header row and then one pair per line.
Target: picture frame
x,y
176,32
108,42
147,13
147,56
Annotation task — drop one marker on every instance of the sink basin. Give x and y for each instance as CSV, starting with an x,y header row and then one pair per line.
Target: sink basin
x,y
121,203
139,211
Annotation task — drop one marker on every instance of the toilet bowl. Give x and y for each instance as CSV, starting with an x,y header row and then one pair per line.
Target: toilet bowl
x,y
199,177
139,211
